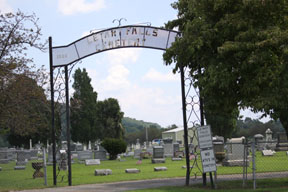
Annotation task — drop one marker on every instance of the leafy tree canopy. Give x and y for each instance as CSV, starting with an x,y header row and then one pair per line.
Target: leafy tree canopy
x,y
134,125
27,113
241,50
22,100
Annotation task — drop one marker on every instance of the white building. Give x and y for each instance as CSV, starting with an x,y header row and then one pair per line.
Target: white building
x,y
177,135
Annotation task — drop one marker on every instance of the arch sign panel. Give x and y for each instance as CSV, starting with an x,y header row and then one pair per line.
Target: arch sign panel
x,y
113,38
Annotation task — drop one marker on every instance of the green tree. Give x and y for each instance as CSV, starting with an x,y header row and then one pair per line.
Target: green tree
x,y
109,118
27,112
153,132
240,47
114,147
18,32
83,109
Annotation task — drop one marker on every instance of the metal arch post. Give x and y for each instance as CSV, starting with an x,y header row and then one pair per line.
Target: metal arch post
x,y
52,111
185,125
202,124
68,124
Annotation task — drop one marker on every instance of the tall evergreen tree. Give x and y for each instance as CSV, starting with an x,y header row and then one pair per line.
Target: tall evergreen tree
x,y
109,117
83,109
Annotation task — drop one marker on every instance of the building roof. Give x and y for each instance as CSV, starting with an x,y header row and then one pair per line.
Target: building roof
x,y
176,130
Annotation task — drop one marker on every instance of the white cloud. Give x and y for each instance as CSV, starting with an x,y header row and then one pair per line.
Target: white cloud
x,y
121,56
153,75
70,7
5,7
151,104
117,78
118,74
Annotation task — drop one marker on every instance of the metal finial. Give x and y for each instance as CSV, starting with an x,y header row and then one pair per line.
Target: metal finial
x,y
119,21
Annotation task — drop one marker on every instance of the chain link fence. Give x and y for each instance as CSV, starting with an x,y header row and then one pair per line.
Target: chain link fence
x,y
251,160
236,159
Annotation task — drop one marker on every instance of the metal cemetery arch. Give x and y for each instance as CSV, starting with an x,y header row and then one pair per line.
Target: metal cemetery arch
x,y
134,36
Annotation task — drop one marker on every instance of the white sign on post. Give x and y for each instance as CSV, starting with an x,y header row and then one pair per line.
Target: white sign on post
x,y
204,137
208,160
206,149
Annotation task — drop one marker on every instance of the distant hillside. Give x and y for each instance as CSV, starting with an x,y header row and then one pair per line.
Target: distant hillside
x,y
132,125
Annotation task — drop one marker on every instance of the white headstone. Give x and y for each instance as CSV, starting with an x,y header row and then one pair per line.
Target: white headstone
x,y
267,153
30,143
92,162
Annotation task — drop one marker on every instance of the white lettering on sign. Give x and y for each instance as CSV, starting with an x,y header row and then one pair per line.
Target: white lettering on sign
x,y
127,36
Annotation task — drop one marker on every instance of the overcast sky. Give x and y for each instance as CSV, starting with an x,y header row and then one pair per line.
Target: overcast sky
x,y
145,87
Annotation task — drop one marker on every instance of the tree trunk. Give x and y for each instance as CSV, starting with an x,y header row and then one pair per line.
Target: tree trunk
x,y
284,120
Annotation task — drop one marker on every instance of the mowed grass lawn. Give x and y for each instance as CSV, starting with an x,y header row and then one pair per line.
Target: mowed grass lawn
x,y
11,179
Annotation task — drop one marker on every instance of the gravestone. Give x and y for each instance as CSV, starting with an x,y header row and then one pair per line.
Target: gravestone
x,y
160,168
63,162
133,170
158,154
150,150
268,135
73,147
100,155
12,154
92,162
218,145
267,153
137,144
79,147
176,147
144,145
50,156
23,157
282,144
137,153
103,172
83,155
235,152
19,167
259,142
269,142
4,157
168,150
34,154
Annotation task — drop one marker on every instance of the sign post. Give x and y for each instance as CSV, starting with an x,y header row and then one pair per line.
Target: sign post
x,y
206,150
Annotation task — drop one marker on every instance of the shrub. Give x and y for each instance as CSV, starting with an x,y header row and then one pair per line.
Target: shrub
x,y
114,147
